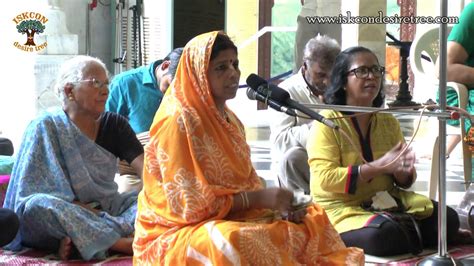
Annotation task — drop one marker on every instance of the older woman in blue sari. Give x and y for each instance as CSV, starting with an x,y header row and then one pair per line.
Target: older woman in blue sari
x,y
62,185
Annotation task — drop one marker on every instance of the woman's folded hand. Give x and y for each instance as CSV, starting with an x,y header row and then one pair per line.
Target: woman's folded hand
x,y
278,199
274,198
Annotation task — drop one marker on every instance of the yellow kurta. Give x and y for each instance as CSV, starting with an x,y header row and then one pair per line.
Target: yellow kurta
x,y
330,158
195,162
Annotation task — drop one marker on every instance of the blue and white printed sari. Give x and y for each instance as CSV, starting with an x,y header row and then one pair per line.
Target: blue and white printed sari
x,y
56,165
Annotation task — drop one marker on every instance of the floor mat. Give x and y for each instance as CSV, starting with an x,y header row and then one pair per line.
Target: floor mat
x,y
463,253
35,257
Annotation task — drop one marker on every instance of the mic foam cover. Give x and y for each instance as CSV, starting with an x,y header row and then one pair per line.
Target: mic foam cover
x,y
254,81
273,91
279,94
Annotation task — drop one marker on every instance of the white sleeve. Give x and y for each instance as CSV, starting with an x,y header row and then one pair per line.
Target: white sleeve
x,y
286,134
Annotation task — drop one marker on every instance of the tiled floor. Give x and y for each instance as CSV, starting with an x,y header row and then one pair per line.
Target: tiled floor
x,y
258,139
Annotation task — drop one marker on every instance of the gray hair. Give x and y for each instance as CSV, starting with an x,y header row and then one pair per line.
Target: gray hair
x,y
72,71
322,50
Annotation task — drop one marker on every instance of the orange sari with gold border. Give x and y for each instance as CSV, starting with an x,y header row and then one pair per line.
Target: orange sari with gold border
x,y
195,162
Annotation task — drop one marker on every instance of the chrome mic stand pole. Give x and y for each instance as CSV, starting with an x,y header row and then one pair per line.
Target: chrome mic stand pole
x,y
442,258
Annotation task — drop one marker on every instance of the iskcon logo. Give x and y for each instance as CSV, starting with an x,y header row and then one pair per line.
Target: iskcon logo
x,y
30,23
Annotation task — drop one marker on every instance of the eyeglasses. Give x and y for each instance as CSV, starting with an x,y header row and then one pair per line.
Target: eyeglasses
x,y
95,83
363,71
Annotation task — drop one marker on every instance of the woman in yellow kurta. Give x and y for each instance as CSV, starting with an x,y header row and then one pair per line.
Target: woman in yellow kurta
x,y
341,183
202,202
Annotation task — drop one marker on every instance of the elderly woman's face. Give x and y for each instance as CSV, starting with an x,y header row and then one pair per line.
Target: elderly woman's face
x,y
363,80
224,75
90,94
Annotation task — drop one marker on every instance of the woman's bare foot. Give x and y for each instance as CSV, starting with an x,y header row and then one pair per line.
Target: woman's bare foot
x,y
65,247
123,245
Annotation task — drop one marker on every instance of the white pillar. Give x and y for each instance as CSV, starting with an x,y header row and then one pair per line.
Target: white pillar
x,y
371,36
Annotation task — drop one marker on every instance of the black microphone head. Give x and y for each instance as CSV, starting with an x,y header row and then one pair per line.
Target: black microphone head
x,y
279,94
255,81
251,94
262,87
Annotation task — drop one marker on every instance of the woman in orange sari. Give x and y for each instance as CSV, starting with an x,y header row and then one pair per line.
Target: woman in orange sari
x,y
202,201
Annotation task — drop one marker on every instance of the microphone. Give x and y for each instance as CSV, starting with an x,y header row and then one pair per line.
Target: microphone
x,y
282,97
253,95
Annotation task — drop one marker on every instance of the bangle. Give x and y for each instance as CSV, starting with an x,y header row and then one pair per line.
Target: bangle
x,y
360,171
245,200
247,203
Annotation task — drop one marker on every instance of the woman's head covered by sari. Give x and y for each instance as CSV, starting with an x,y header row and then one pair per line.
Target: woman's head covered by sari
x,y
197,158
195,67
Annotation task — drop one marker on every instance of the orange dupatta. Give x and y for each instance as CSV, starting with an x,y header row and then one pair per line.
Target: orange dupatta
x,y
194,163
196,160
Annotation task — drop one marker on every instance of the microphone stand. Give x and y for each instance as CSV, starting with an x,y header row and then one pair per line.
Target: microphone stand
x,y
407,110
442,258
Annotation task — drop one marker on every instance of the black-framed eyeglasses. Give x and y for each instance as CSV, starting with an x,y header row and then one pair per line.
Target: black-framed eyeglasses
x,y
363,71
95,83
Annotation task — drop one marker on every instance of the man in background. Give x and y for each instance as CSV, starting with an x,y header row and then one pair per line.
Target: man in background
x,y
460,69
137,93
288,133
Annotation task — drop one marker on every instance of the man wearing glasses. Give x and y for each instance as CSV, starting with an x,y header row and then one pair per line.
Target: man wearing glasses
x,y
289,134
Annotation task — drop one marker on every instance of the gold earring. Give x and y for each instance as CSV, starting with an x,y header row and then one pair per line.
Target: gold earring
x,y
70,97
